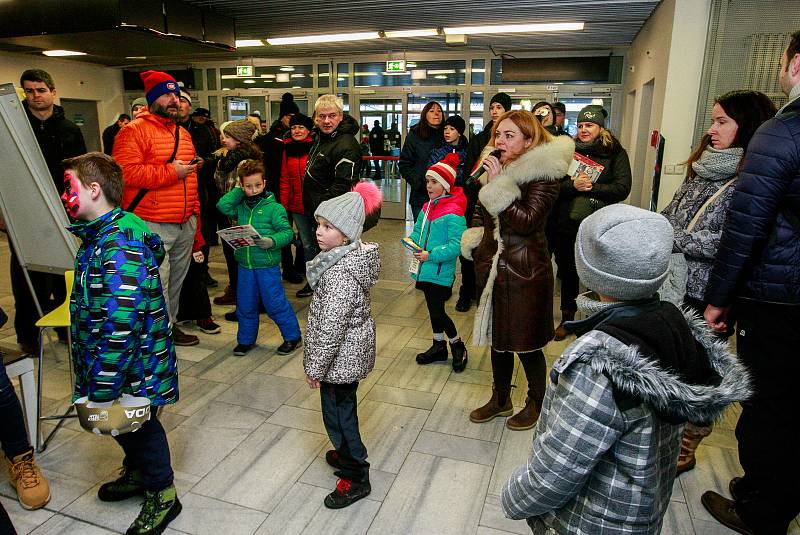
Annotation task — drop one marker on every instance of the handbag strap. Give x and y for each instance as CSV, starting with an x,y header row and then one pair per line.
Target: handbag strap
x,y
142,192
693,222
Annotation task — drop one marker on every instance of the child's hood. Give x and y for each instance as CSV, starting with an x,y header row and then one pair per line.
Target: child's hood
x,y
666,359
364,264
453,203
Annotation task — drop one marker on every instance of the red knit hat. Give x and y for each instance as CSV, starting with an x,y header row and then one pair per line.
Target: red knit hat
x,y
157,83
444,172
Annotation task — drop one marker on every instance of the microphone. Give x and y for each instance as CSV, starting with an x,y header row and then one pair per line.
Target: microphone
x,y
473,178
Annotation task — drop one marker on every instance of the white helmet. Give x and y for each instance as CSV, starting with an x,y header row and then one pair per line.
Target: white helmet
x,y
123,415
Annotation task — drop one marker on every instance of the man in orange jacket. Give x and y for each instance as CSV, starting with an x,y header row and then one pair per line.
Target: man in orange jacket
x,y
157,156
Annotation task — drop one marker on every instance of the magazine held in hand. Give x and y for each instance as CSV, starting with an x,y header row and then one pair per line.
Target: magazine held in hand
x,y
240,236
582,164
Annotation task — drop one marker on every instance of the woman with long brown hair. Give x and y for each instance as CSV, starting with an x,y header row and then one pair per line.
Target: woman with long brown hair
x,y
414,157
512,263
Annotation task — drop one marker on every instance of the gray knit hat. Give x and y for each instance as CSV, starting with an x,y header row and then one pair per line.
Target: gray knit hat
x,y
623,252
345,212
141,101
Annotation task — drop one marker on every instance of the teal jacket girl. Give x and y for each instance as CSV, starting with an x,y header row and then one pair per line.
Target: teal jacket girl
x,y
438,230
267,216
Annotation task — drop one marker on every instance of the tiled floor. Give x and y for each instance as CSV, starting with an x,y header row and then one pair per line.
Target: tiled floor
x,y
248,442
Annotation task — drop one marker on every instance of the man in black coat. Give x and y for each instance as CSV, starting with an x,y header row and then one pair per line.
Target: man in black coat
x,y
498,105
376,138
756,278
58,138
110,133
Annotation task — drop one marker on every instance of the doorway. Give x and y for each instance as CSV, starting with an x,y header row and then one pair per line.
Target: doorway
x,y
388,113
84,114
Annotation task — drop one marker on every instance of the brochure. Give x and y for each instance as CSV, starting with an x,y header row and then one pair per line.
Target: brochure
x,y
240,236
582,164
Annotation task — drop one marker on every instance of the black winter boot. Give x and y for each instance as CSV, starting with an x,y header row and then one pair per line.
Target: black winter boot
x,y
459,351
437,352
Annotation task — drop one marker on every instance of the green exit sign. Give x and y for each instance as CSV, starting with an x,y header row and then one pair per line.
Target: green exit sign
x,y
244,70
396,66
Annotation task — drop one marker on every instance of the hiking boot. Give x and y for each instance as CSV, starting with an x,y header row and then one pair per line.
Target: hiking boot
x,y
332,458
437,352
232,316
180,338
208,326
241,349
128,485
459,351
561,331
305,291
464,303
526,418
724,511
227,298
288,346
33,491
347,492
499,405
158,510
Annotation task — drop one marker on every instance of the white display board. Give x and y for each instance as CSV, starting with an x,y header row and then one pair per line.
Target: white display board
x,y
34,216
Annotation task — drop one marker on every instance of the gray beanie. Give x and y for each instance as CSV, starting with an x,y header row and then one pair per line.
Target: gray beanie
x,y
141,101
623,252
345,212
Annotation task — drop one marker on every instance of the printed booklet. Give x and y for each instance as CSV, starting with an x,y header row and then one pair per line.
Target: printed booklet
x,y
240,236
582,164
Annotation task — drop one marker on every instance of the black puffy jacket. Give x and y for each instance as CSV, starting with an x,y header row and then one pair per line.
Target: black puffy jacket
x,y
334,165
59,139
414,163
759,254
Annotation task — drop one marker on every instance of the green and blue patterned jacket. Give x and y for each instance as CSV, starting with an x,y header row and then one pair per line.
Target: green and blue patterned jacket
x,y
121,336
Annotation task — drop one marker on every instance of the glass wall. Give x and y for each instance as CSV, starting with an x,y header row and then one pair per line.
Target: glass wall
x,y
450,103
323,76
278,76
475,123
426,73
342,74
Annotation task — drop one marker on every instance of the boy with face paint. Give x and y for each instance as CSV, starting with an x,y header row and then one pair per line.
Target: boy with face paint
x,y
121,335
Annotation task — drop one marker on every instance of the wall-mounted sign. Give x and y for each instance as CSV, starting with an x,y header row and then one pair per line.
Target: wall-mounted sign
x,y
398,65
552,88
244,70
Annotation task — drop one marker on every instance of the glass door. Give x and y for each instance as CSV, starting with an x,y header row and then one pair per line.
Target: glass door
x,y
384,117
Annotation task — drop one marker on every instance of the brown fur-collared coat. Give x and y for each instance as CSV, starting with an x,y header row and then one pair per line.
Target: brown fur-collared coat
x,y
512,264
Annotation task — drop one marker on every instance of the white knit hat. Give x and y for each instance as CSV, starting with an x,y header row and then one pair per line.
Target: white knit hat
x,y
444,172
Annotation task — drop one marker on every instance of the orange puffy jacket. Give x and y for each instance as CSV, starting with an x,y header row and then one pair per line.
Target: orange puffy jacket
x,y
142,148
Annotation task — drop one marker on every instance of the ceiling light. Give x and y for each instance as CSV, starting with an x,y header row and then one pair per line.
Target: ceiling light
x,y
410,64
249,81
267,76
282,77
441,77
330,38
135,57
411,33
298,76
288,68
59,53
419,74
395,73
296,87
442,71
516,28
248,42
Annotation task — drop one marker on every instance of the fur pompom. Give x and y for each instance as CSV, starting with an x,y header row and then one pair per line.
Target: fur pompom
x,y
373,198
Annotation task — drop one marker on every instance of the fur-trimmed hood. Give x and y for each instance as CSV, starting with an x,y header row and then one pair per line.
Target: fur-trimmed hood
x,y
635,375
547,163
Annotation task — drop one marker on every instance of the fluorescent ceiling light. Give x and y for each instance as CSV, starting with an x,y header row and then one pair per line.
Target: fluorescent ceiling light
x,y
282,77
298,76
395,73
63,53
441,77
135,57
442,71
516,28
330,38
249,81
248,42
411,33
267,76
288,68
296,87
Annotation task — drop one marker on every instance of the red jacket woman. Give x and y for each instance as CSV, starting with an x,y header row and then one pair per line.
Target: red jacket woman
x,y
293,167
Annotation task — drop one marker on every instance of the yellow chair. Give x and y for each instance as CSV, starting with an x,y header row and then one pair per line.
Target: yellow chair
x,y
58,317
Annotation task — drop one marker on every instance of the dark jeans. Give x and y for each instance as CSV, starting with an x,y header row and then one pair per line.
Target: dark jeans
x,y
195,304
307,228
535,372
435,297
565,259
767,341
292,264
147,450
13,437
339,412
6,527
50,289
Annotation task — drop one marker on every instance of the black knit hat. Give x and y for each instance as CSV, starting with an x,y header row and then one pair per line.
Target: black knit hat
x,y
593,113
503,99
288,105
303,120
456,122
